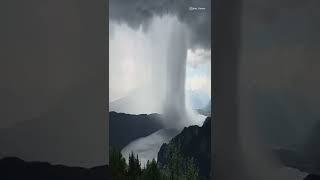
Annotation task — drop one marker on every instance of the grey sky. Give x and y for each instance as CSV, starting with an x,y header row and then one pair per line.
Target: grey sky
x,y
132,53
140,12
138,26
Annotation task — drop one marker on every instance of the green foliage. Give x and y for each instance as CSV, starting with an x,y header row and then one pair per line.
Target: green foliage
x,y
175,164
134,169
152,171
118,165
178,167
192,171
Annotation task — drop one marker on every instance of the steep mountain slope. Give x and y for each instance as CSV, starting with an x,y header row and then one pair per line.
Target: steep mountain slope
x,y
125,128
195,142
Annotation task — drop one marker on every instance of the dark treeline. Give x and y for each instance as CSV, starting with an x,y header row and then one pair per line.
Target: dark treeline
x,y
178,167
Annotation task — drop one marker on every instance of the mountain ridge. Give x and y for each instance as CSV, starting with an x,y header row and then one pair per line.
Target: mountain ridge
x,y
12,168
134,126
194,142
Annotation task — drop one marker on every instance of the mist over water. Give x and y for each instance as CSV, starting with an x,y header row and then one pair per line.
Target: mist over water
x,y
148,147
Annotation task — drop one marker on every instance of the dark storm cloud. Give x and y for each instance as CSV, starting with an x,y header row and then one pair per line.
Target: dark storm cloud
x,y
140,12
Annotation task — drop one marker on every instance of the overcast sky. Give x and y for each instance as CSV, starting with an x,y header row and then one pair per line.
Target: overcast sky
x,y
129,61
131,48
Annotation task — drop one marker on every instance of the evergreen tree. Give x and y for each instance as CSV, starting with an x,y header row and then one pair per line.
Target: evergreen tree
x,y
175,163
192,171
117,165
134,169
179,167
138,166
152,171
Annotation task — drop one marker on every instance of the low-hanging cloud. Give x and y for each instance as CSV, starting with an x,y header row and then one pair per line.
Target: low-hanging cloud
x,y
198,57
146,76
140,13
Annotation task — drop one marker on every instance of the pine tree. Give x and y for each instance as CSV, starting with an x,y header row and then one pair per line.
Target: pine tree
x,y
117,165
192,171
138,166
179,167
134,169
175,163
152,171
